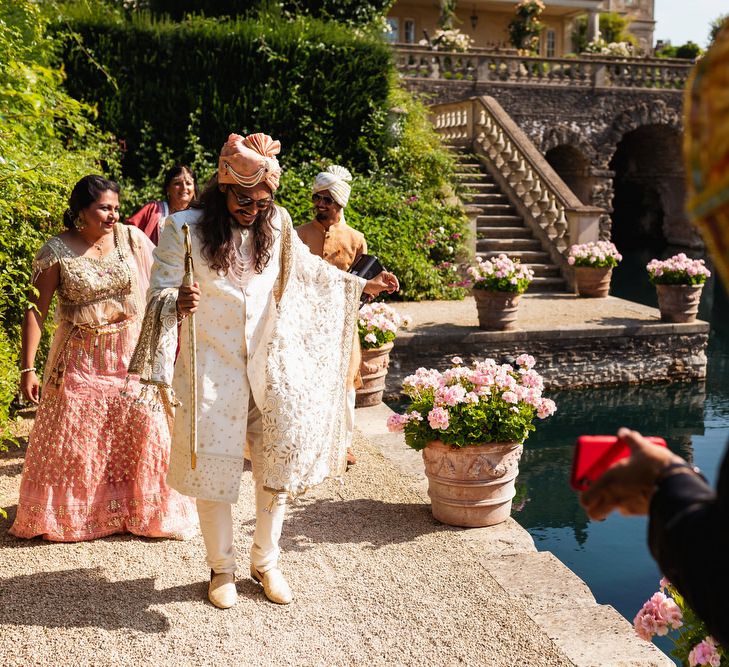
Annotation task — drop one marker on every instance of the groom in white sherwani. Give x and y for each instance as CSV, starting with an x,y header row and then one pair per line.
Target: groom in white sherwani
x,y
275,327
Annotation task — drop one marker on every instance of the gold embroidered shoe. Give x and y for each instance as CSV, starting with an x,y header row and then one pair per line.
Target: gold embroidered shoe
x,y
275,585
221,591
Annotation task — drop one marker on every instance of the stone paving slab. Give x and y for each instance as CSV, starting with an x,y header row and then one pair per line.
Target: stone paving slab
x,y
545,316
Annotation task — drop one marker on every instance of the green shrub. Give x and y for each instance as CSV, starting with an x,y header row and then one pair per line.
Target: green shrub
x,y
613,28
202,161
419,239
354,12
319,87
715,26
689,51
9,379
47,142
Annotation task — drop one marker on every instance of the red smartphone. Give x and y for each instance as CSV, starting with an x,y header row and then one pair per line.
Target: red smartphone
x,y
594,454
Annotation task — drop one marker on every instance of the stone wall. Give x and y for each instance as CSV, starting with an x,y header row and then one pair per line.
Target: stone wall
x,y
566,359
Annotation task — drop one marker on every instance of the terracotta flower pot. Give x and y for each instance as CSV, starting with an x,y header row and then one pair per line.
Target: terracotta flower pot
x,y
593,281
679,303
472,486
373,369
497,311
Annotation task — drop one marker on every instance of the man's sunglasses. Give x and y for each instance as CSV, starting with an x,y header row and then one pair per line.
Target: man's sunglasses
x,y
247,202
316,198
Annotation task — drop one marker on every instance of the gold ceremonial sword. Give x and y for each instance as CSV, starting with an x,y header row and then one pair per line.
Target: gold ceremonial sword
x,y
189,280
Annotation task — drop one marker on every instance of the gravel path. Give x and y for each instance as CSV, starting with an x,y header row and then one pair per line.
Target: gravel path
x,y
376,582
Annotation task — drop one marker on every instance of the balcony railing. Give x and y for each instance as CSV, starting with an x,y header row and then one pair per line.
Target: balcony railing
x,y
589,72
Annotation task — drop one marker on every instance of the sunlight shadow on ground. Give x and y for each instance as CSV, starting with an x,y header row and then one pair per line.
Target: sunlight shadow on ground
x,y
361,521
86,598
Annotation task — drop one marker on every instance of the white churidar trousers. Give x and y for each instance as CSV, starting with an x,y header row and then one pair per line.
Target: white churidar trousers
x,y
216,518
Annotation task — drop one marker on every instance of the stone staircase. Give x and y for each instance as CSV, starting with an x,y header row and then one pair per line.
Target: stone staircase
x,y
500,229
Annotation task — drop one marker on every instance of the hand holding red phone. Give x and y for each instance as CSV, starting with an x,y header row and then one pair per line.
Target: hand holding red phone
x,y
629,484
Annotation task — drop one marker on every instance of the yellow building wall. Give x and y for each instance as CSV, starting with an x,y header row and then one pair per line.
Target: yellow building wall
x,y
491,27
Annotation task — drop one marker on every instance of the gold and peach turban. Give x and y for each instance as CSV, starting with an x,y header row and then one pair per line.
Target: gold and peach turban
x,y
335,179
249,161
706,149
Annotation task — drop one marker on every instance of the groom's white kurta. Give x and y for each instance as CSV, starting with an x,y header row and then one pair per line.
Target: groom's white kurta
x,y
290,357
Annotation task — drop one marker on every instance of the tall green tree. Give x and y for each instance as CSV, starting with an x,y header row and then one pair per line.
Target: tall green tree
x,y
715,26
613,28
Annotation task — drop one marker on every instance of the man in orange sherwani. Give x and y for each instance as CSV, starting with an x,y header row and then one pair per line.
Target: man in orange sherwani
x,y
331,238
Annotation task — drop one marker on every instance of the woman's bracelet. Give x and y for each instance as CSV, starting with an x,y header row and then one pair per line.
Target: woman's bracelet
x,y
32,369
672,468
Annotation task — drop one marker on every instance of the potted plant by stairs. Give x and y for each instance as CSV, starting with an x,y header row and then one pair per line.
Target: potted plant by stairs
x,y
470,422
377,325
594,263
498,284
679,281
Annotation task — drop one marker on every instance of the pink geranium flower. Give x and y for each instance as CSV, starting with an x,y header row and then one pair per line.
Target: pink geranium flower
x,y
705,653
658,615
438,419
496,402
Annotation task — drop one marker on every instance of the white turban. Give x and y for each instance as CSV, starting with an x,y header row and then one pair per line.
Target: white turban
x,y
335,179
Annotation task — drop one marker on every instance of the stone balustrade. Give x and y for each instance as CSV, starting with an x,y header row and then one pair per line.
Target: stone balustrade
x,y
506,68
546,203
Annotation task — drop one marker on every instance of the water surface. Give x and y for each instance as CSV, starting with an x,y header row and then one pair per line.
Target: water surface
x,y
612,556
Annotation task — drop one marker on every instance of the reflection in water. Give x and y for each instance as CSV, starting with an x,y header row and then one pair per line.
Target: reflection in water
x,y
612,556
673,412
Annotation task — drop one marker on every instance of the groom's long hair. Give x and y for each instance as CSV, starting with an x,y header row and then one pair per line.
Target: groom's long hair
x,y
216,230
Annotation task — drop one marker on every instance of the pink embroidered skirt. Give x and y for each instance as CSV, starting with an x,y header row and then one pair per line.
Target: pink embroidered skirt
x,y
97,455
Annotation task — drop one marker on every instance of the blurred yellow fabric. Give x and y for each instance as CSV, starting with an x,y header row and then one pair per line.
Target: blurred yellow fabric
x,y
706,150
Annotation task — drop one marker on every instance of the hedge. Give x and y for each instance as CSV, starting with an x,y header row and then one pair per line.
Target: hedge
x,y
321,88
357,12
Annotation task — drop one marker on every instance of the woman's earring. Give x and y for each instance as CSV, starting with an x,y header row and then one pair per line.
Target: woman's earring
x,y
79,224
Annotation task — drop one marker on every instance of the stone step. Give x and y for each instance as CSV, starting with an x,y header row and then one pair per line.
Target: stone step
x,y
504,233
498,221
483,189
540,284
476,176
489,209
507,245
524,256
481,198
470,182
494,197
473,172
499,229
545,270
515,220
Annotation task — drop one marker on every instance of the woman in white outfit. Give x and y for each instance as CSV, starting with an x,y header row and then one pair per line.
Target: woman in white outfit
x,y
274,329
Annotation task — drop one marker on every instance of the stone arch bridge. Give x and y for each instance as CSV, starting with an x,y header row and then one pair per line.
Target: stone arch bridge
x,y
612,130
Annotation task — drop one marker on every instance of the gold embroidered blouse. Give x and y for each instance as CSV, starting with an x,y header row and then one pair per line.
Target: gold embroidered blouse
x,y
93,292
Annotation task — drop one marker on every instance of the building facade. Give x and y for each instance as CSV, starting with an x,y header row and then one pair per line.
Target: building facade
x,y
486,21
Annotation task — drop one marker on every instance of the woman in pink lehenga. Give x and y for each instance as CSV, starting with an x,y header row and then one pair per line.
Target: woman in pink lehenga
x,y
97,456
